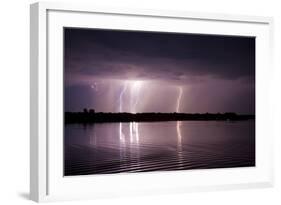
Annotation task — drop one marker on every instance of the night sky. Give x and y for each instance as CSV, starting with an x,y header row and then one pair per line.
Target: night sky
x,y
134,71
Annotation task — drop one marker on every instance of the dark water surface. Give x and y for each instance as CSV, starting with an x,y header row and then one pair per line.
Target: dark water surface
x,y
139,147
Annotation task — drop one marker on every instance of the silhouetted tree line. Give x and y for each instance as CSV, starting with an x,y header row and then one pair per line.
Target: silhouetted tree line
x,y
90,116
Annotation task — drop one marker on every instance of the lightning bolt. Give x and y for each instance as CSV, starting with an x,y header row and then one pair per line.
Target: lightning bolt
x,y
121,97
179,99
135,90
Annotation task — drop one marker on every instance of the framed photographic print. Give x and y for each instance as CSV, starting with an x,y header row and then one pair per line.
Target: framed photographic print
x,y
127,102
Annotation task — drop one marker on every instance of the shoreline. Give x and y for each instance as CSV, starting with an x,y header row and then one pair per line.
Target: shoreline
x,y
99,117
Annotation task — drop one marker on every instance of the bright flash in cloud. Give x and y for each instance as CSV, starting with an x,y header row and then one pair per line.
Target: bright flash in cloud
x,y
94,86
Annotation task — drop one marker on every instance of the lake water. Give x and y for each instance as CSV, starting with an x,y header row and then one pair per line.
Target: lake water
x,y
105,148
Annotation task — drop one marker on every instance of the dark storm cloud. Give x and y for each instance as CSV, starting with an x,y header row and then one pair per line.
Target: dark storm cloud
x,y
148,55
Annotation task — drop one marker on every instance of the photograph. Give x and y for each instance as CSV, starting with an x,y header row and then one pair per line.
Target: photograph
x,y
149,101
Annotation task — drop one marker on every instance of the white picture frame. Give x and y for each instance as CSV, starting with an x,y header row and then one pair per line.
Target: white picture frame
x,y
47,182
